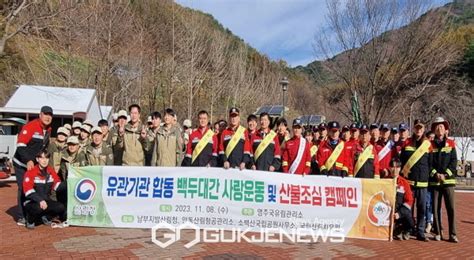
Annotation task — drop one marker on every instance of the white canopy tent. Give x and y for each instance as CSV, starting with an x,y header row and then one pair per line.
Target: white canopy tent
x,y
27,101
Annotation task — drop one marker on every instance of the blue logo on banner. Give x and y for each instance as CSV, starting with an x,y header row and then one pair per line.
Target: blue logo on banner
x,y
85,190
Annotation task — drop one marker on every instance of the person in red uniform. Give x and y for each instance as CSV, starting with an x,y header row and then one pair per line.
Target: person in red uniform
x,y
33,138
297,155
386,150
266,151
404,200
395,137
366,161
346,134
234,151
374,133
354,132
201,154
341,163
38,184
323,131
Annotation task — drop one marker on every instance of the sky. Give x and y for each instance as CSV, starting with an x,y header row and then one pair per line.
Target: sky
x,y
280,29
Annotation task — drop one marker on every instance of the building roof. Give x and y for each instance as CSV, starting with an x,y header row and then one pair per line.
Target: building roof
x,y
106,111
64,101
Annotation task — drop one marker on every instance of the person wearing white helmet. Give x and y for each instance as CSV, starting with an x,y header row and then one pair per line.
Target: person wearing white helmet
x,y
57,147
76,128
71,156
443,177
120,124
99,153
84,137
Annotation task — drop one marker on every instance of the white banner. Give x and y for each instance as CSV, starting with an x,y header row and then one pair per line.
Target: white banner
x,y
141,197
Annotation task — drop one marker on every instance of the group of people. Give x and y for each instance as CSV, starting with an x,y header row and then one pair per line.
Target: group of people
x,y
424,163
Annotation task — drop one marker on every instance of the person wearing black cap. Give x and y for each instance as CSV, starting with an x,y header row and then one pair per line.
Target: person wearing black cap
x,y
334,157
443,178
354,132
395,137
33,138
404,132
297,155
416,166
234,147
323,131
374,133
266,147
346,134
316,136
366,161
354,138
386,150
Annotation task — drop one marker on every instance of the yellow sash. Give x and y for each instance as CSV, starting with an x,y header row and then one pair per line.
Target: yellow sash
x,y
201,144
363,158
313,150
264,144
335,154
234,140
424,148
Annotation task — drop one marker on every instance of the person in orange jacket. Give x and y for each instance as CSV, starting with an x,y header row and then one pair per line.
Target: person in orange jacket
x,y
342,163
296,154
366,161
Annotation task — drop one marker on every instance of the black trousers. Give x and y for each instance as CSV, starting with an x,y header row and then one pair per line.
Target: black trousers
x,y
419,196
61,193
448,194
405,220
34,212
19,174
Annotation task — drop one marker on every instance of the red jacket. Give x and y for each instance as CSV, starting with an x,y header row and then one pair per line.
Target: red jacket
x,y
343,165
208,154
385,161
404,194
37,184
241,152
31,140
289,155
271,156
370,169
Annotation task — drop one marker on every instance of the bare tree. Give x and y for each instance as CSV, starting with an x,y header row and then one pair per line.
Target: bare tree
x,y
383,67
